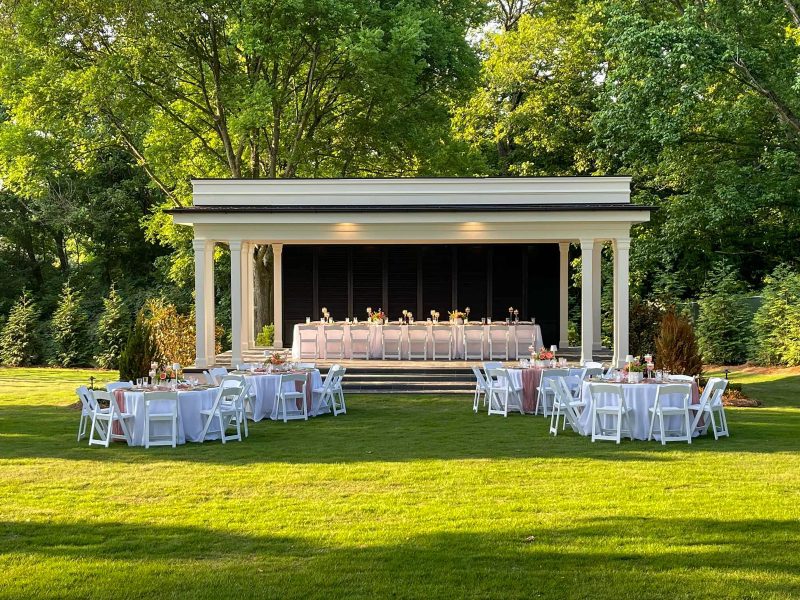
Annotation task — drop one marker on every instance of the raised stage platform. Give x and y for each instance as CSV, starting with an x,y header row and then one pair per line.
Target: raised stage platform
x,y
406,376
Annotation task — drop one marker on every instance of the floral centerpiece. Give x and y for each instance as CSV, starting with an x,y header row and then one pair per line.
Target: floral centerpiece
x,y
378,316
456,316
634,369
276,359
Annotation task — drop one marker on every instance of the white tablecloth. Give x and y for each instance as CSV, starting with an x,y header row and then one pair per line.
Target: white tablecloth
x,y
376,340
639,398
265,386
190,421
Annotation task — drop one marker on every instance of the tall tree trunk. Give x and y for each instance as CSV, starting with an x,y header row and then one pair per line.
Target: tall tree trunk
x,y
263,285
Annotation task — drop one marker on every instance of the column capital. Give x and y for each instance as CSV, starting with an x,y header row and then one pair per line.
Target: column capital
x,y
200,245
235,245
563,246
622,243
587,243
277,248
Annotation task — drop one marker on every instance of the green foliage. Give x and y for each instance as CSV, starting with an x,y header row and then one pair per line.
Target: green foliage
x,y
676,346
645,324
70,330
20,343
113,329
139,352
776,325
266,336
723,325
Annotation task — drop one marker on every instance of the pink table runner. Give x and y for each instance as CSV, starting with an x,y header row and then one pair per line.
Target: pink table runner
x,y
531,377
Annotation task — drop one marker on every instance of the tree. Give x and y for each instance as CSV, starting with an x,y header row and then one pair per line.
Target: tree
x,y
113,329
19,343
173,333
70,330
140,351
676,346
776,325
723,325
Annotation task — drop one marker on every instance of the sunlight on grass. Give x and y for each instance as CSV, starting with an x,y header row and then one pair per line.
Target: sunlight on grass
x,y
403,496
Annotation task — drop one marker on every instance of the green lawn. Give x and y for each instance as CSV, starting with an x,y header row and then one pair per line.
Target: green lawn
x,y
402,497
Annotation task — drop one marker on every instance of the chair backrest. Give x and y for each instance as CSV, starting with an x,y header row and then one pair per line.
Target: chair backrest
x,y
688,378
360,332
577,372
117,385
479,377
560,389
306,365
500,377
109,397
308,333
150,397
87,399
294,378
526,335
683,390
218,373
592,364
418,333
392,332
233,381
473,333
592,372
548,373
492,364
333,333
209,378
710,390
498,333
333,376
442,333
609,390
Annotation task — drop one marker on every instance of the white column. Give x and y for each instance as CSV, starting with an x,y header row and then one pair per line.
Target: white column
x,y
277,286
563,295
248,335
597,262
204,303
622,300
236,301
587,299
615,333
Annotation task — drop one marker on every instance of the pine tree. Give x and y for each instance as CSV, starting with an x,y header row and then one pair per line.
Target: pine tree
x,y
723,326
113,330
139,352
70,328
19,342
676,346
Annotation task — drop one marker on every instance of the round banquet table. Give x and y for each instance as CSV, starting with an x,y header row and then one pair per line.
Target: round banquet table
x,y
639,399
190,421
265,386
376,339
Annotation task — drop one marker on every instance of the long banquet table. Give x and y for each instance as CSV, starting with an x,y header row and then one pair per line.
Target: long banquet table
x,y
376,338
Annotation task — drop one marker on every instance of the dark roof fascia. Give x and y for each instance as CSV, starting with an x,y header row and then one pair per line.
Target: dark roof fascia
x,y
283,208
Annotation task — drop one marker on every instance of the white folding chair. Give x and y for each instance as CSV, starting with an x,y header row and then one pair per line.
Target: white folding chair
x,y
473,342
103,421
360,338
442,337
589,364
248,399
593,372
228,409
167,411
87,409
417,341
217,374
524,337
504,394
333,336
309,341
489,365
686,378
481,389
544,395
711,409
498,342
660,410
564,405
575,381
306,365
392,341
117,385
331,396
288,400
616,410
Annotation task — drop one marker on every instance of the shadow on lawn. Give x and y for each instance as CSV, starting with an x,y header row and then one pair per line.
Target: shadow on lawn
x,y
389,430
619,556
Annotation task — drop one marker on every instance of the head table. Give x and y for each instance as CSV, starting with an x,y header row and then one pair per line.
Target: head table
x,y
193,399
376,337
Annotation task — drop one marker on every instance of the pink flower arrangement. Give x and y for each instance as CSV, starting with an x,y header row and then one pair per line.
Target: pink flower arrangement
x,y
634,367
545,354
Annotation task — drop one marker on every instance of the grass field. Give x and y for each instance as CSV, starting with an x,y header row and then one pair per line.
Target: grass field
x,y
402,497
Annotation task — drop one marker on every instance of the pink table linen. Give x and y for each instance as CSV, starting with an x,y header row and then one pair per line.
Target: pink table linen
x,y
531,378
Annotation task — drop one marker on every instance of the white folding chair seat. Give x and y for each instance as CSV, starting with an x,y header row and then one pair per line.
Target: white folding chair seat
x,y
104,419
391,341
710,409
473,342
360,338
334,341
524,337
616,411
118,385
661,411
417,342
498,342
442,338
330,397
167,411
504,394
228,409
292,402
309,341
564,405
544,395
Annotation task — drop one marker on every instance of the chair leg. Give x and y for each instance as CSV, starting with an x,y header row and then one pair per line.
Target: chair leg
x,y
146,430
661,426
652,425
689,432
174,431
222,427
